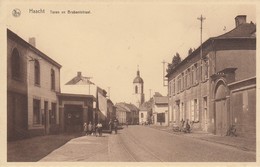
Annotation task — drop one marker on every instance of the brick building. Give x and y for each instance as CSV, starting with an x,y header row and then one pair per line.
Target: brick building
x,y
216,88
32,86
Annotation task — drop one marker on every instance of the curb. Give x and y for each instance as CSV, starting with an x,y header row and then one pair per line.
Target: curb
x,y
208,140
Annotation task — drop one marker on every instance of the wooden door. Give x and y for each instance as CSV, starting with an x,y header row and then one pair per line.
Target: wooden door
x,y
221,118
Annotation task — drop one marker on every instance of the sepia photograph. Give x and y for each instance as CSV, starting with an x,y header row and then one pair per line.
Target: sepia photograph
x,y
129,81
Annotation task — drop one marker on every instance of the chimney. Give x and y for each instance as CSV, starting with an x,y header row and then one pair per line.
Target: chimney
x,y
32,41
240,19
79,74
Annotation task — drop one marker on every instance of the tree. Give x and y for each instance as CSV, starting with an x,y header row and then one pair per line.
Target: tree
x,y
175,61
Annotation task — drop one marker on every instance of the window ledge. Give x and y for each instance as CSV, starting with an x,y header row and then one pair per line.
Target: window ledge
x,y
205,80
17,79
37,85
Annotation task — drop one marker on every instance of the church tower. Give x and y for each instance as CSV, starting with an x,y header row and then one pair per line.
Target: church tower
x,y
138,88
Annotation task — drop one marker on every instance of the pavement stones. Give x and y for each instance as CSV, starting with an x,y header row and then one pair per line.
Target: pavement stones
x,y
246,144
85,148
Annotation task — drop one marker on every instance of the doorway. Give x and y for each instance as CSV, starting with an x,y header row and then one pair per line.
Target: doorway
x,y
221,118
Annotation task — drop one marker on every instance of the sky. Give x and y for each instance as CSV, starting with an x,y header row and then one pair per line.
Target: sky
x,y
115,37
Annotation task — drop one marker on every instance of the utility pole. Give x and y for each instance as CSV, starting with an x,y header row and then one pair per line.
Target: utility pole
x,y
201,21
201,57
164,79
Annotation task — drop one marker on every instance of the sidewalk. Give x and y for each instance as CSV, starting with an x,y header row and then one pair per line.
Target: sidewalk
x,y
246,144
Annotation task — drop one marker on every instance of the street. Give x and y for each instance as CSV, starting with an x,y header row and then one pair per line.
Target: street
x,y
145,144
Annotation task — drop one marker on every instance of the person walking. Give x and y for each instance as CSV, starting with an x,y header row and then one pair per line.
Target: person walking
x,y
89,128
99,129
85,128
115,125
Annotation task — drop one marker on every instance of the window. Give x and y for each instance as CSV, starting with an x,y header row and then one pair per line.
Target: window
x,y
205,104
15,64
185,79
204,71
170,88
179,84
36,111
36,72
52,79
196,109
192,76
195,74
173,87
161,117
136,89
142,115
188,78
53,113
183,83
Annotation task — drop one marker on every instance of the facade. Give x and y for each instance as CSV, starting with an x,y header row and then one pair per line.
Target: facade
x,y
138,88
121,113
74,110
160,110
206,86
143,119
33,83
145,112
127,113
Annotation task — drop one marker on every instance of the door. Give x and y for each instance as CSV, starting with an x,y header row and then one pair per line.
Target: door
x,y
45,117
221,117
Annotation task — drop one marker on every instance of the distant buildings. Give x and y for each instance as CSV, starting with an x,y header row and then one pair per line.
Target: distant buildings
x,y
160,109
126,112
218,88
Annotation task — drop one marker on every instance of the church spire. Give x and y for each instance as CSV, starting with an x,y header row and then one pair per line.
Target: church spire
x,y
138,72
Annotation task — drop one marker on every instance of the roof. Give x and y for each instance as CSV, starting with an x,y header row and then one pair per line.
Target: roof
x,y
242,31
146,106
127,107
11,34
75,95
138,79
161,100
80,80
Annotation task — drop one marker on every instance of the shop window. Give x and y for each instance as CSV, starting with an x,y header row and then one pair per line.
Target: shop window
x,y
36,111
53,113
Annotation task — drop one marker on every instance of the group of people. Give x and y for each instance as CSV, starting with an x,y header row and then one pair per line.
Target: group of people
x,y
185,126
90,129
96,130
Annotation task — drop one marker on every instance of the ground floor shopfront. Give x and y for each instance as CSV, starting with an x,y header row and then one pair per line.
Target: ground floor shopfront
x,y
74,111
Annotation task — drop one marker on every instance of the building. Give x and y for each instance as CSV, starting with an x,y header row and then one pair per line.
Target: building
x,y
127,113
121,113
74,110
138,88
32,87
102,109
160,109
146,108
215,85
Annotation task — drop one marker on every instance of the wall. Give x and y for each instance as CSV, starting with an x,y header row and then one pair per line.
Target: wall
x,y
43,91
243,60
243,108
